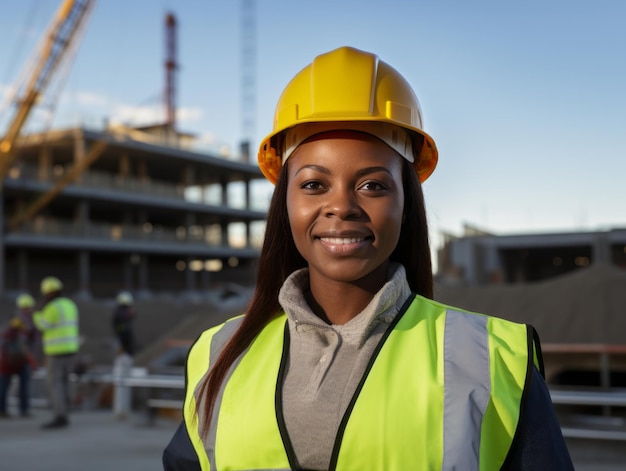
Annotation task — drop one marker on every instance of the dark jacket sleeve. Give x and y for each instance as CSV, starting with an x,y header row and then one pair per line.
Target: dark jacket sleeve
x,y
179,455
539,444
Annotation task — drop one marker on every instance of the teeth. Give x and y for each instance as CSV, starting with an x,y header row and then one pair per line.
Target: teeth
x,y
342,240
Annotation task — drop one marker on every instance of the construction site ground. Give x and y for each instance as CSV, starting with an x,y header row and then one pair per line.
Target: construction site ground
x,y
96,440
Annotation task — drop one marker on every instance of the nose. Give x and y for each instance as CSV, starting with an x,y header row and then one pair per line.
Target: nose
x,y
342,203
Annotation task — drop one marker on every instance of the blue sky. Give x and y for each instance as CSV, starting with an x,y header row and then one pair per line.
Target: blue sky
x,y
525,99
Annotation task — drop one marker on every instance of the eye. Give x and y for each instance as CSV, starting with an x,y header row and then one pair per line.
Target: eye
x,y
373,186
311,185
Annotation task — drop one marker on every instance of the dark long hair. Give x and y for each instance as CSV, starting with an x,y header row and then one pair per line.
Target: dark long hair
x,y
279,258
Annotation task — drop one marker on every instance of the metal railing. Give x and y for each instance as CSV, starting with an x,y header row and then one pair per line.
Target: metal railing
x,y
52,227
115,182
99,179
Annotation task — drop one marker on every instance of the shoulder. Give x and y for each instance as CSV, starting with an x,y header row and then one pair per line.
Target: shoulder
x,y
516,341
69,302
179,455
207,347
539,442
431,305
225,329
214,338
60,303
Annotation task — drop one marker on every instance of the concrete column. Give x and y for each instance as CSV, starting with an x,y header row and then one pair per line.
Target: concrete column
x,y
127,269
190,220
224,186
205,279
44,169
143,274
2,257
22,269
124,166
246,190
84,279
142,218
190,276
82,216
187,179
127,220
142,171
224,225
80,150
20,207
188,176
601,250
244,150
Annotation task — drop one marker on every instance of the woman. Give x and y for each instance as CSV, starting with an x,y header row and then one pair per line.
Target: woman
x,y
342,360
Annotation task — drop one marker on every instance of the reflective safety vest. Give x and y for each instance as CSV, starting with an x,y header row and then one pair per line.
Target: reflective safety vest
x,y
444,389
58,321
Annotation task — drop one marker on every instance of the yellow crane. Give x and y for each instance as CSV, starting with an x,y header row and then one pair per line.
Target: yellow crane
x,y
63,31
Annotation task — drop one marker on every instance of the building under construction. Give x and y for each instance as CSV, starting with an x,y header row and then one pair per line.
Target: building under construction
x,y
117,209
481,258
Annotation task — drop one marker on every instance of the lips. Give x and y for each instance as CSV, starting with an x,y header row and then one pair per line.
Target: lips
x,y
344,244
341,240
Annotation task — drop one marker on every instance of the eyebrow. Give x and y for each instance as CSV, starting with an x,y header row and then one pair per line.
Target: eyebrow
x,y
318,168
359,173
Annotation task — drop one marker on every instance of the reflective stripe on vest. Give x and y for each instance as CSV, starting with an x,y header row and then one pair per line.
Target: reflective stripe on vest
x,y
457,409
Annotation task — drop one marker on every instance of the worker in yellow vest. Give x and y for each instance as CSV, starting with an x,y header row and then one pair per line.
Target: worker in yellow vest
x,y
343,361
57,319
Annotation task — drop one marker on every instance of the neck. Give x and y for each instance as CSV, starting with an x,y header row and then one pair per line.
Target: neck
x,y
339,302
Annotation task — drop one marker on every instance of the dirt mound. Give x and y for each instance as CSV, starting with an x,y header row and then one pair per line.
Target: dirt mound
x,y
585,306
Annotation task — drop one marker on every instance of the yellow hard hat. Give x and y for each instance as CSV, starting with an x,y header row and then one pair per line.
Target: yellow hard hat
x,y
16,323
24,301
50,284
360,92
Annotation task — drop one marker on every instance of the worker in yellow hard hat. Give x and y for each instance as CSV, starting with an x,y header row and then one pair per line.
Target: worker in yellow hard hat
x,y
343,360
17,342
122,322
58,321
25,305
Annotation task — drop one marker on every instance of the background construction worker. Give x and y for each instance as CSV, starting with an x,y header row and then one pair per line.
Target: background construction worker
x,y
122,324
25,305
58,321
17,342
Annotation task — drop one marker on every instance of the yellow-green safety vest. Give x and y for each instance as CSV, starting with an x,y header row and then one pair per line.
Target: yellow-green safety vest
x,y
443,390
58,321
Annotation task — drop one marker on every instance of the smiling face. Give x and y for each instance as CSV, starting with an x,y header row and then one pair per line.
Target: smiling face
x,y
345,203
